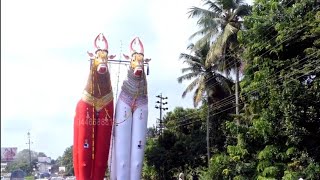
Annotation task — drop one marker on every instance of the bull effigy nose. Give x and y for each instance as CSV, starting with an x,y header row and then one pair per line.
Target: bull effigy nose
x,y
138,72
102,69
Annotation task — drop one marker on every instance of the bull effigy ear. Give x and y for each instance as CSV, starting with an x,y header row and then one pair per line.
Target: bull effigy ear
x,y
90,54
147,60
126,56
112,56
134,48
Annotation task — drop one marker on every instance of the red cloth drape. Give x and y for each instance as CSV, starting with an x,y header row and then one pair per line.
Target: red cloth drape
x,y
92,131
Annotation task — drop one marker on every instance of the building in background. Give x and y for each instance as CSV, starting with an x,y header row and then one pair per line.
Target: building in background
x,y
3,166
44,164
8,154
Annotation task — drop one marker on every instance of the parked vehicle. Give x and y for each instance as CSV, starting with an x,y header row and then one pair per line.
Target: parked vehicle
x,y
71,178
57,178
17,175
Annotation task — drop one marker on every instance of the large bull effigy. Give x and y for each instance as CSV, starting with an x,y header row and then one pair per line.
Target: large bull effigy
x,y
131,116
93,120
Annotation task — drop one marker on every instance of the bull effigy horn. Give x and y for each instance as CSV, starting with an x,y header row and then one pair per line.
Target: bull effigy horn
x,y
131,48
103,39
140,44
105,42
95,41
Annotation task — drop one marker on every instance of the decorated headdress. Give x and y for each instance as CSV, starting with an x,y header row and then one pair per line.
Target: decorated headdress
x,y
136,46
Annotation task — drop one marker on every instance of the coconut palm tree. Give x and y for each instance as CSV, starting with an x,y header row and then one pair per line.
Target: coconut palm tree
x,y
206,81
219,25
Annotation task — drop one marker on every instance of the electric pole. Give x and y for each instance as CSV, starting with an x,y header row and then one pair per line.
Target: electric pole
x,y
160,107
29,143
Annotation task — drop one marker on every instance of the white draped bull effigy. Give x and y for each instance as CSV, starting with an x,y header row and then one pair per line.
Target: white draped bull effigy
x,y
130,122
93,120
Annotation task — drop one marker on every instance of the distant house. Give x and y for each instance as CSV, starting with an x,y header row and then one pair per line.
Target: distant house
x,y
44,168
3,166
62,169
44,164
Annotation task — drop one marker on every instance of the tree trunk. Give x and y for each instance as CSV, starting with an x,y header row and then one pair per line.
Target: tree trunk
x,y
237,92
208,138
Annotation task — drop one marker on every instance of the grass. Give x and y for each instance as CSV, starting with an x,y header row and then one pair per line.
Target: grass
x,y
29,178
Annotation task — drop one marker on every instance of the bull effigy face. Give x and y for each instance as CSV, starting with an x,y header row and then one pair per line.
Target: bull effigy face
x,y
136,64
101,61
137,56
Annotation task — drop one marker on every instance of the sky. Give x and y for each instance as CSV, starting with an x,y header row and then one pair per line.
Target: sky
x,y
44,61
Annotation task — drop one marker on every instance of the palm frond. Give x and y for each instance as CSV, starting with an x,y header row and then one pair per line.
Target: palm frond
x,y
225,82
192,69
203,41
189,57
219,46
215,7
198,12
190,46
227,4
198,94
216,51
239,2
201,32
213,23
243,10
191,62
191,86
187,76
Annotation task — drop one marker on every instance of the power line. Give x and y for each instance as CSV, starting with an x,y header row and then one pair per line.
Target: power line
x,y
230,62
258,56
227,101
244,102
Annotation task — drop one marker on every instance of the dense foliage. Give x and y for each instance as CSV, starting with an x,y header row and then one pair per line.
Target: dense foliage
x,y
22,161
280,122
279,132
182,146
67,161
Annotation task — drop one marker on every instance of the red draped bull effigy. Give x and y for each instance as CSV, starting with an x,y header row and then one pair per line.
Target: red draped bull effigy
x,y
131,116
93,120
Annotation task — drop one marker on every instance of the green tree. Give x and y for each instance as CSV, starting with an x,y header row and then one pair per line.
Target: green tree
x,y
279,123
22,161
221,20
151,132
67,161
220,23
207,81
181,148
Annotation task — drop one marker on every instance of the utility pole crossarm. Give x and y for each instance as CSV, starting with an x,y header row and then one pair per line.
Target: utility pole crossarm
x,y
161,108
